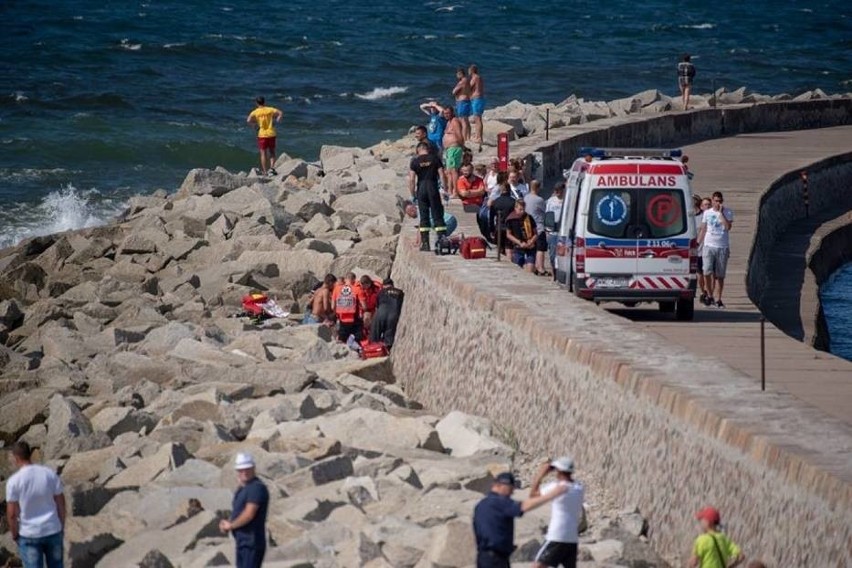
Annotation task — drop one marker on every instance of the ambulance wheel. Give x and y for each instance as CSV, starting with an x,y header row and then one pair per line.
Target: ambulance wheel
x,y
667,307
685,310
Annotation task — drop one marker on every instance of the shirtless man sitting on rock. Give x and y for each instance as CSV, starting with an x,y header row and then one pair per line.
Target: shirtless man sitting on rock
x,y
321,309
453,149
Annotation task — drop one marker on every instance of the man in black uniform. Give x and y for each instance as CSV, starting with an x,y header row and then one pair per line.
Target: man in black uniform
x,y
388,308
426,169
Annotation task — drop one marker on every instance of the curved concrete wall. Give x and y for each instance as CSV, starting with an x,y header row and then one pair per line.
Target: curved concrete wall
x,y
831,248
829,189
659,426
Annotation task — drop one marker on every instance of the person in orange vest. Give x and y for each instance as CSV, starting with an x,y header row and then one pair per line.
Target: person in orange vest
x,y
347,308
368,294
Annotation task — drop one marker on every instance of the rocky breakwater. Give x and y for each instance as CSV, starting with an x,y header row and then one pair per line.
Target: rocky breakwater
x,y
123,364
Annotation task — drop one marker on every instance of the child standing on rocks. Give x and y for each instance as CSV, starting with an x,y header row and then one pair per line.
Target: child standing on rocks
x,y
713,549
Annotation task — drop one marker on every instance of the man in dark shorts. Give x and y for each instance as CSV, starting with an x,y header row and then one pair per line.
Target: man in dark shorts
x,y
248,515
494,520
263,117
685,78
425,170
563,530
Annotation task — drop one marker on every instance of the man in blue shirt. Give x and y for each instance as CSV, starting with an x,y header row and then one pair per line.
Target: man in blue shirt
x,y
494,520
437,124
248,515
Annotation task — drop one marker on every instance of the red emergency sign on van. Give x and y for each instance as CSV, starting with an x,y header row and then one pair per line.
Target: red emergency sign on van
x,y
636,181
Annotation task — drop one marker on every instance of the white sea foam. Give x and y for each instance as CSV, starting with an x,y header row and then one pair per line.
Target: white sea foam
x,y
227,9
20,96
381,93
430,36
62,210
704,26
125,44
448,8
173,45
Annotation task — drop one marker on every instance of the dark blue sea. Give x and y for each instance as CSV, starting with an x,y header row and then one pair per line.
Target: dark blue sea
x,y
100,100
836,299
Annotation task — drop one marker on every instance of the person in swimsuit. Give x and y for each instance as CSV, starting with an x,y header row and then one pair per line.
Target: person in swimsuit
x,y
685,78
477,103
453,149
461,92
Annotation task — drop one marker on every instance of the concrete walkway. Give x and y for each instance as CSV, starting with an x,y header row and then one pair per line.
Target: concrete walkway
x,y
742,167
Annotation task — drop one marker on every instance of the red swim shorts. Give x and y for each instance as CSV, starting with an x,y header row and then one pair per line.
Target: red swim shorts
x,y
266,144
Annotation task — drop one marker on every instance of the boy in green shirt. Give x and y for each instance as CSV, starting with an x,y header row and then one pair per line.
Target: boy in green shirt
x,y
713,549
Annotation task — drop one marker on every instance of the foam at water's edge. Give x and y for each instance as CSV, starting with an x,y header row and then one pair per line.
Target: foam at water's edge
x,y
61,210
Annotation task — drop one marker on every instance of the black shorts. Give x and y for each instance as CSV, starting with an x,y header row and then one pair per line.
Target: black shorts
x,y
344,330
541,242
558,554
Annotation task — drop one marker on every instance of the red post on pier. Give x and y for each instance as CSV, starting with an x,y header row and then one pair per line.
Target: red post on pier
x,y
503,152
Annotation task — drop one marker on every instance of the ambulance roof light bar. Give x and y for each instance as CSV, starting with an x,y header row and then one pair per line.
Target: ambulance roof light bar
x,y
602,153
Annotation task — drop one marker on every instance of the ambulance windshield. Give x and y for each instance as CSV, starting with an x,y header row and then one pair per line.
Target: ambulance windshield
x,y
626,213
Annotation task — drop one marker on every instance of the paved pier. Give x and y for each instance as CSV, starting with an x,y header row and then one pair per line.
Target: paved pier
x,y
742,167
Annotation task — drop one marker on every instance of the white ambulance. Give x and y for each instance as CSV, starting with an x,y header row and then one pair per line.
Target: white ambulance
x,y
627,232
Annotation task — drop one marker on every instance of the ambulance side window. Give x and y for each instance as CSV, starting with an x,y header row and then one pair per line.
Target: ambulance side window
x,y
610,211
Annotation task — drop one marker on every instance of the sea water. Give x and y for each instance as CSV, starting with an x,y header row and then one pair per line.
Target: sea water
x,y
101,100
836,299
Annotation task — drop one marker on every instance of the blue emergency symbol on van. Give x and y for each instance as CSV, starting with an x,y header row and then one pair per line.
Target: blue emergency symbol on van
x,y
611,210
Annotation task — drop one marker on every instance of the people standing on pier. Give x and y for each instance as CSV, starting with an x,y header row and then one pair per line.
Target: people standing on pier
x,y
494,520
263,116
714,236
685,78
535,206
35,510
554,205
563,531
453,149
423,175
422,135
713,548
248,514
461,93
437,124
477,103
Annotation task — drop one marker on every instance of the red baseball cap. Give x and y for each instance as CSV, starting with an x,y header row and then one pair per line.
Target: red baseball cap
x,y
709,514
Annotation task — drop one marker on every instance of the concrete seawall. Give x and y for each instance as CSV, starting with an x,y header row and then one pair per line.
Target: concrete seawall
x,y
662,427
831,248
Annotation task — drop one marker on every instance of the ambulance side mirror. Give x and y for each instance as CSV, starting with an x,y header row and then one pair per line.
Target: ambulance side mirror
x,y
550,221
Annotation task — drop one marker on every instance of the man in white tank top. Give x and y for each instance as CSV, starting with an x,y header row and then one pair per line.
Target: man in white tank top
x,y
563,534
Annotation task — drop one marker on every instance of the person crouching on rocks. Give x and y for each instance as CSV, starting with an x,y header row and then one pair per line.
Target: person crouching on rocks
x,y
713,549
321,309
347,308
388,310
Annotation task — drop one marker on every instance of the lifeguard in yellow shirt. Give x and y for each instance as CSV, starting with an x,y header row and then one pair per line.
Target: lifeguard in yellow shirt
x,y
263,117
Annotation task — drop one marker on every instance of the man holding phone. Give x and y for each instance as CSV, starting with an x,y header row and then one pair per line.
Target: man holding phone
x,y
563,532
716,224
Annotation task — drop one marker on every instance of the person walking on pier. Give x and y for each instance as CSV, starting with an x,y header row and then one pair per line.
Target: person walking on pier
x,y
714,237
425,171
563,531
713,549
685,78
494,520
263,117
